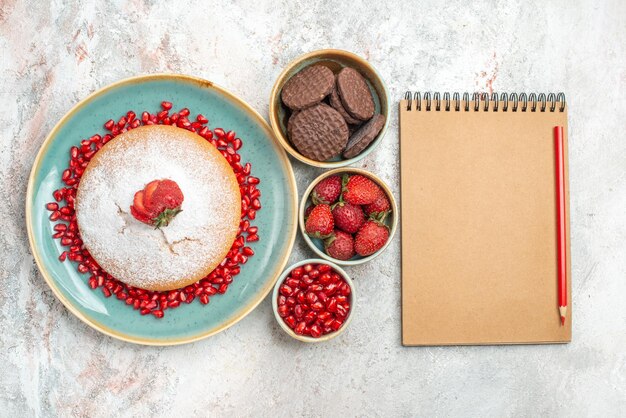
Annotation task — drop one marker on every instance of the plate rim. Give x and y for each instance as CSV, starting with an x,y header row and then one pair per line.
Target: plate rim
x,y
34,249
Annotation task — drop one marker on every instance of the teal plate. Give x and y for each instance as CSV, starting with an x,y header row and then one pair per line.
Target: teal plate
x,y
276,220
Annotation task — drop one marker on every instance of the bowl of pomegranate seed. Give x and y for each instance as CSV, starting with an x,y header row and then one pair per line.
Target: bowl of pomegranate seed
x,y
348,216
313,300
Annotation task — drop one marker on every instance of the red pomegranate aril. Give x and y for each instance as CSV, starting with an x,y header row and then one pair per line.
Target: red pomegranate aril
x,y
204,299
290,321
299,329
344,289
311,297
298,311
336,324
166,105
285,290
219,132
300,298
252,238
292,283
297,272
322,297
331,305
330,289
290,301
341,311
52,206
63,256
317,306
310,317
324,315
283,311
316,331
324,268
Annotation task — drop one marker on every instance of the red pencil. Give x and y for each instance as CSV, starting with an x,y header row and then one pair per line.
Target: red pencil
x,y
560,218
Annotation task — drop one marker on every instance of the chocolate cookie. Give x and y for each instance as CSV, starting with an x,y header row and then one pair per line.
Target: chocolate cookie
x,y
356,96
364,136
319,132
290,123
335,102
308,87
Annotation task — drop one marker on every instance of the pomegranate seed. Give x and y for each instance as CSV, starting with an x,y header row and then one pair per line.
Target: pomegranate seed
x,y
219,132
63,256
283,311
316,331
299,329
336,324
200,118
52,206
166,105
290,321
310,317
285,290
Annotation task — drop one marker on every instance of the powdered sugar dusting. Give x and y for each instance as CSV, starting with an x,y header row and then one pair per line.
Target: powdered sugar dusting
x,y
194,242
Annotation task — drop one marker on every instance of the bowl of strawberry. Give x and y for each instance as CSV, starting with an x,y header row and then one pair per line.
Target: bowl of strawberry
x,y
348,216
313,300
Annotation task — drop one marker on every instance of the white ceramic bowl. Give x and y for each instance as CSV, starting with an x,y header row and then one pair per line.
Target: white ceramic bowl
x,y
317,244
282,323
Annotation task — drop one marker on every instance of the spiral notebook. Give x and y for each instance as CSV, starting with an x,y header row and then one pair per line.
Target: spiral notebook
x,y
479,237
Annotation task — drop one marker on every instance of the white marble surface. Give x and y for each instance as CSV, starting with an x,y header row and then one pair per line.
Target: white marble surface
x,y
54,53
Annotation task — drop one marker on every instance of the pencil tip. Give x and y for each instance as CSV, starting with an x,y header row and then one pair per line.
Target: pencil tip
x,y
562,321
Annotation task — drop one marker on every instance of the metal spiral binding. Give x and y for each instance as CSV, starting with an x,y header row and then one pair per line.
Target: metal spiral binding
x,y
510,102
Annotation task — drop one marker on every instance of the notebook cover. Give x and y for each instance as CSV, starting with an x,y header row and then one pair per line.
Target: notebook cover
x,y
478,202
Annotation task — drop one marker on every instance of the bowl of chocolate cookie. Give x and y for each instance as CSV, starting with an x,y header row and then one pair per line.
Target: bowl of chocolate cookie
x,y
329,108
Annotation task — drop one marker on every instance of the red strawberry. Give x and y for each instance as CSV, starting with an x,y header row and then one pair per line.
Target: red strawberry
x,y
348,217
327,191
359,190
378,207
370,238
320,222
308,210
158,203
340,245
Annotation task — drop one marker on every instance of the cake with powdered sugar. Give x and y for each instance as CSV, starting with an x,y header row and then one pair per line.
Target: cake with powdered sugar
x,y
158,207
